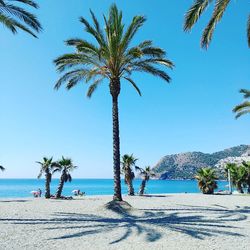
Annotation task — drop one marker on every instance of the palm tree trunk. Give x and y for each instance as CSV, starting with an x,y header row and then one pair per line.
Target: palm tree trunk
x,y
115,90
239,188
60,186
131,190
47,184
142,187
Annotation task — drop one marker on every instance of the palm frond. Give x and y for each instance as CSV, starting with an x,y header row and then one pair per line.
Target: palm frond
x,y
133,84
94,86
245,92
152,70
28,2
194,13
14,17
248,30
220,7
2,168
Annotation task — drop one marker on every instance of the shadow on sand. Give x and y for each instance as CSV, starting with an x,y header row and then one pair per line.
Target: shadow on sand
x,y
195,221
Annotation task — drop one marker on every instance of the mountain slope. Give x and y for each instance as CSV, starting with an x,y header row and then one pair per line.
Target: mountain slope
x,y
185,165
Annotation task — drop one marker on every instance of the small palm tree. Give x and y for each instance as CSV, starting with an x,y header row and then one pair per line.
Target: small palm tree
x,y
111,58
243,108
146,174
46,168
127,162
14,17
2,168
206,178
247,177
238,175
65,166
198,8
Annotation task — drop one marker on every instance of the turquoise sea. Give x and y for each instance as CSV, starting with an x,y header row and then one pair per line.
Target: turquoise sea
x,y
16,188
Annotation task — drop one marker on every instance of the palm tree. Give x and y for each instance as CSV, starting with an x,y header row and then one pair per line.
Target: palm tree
x,y
46,168
238,175
243,108
112,58
206,178
198,8
247,178
146,174
128,161
2,168
65,166
14,17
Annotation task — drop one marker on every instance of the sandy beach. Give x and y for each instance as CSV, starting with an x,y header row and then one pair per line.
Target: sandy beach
x,y
180,221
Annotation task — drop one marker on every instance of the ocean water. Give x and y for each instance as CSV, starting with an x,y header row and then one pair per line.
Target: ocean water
x,y
17,188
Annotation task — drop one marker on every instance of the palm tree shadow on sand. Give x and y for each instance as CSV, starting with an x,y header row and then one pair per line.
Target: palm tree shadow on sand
x,y
152,224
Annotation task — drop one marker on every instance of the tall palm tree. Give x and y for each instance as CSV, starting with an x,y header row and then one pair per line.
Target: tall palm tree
x,y
206,178
113,58
15,17
244,107
127,162
238,175
197,9
2,168
46,168
146,174
65,166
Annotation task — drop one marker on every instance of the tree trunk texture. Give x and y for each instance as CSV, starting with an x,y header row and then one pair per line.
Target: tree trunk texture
x,y
60,186
142,187
47,184
115,91
240,189
131,190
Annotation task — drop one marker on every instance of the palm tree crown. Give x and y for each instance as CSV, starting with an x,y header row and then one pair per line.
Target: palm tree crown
x,y
46,166
113,58
206,178
146,173
14,17
2,168
244,107
66,166
198,8
128,161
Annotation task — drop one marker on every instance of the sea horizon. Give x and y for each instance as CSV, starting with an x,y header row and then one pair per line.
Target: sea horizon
x,y
22,187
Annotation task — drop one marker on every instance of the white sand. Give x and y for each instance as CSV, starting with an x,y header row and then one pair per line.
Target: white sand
x,y
183,221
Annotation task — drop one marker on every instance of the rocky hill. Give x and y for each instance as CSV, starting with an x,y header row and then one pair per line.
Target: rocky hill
x,y
185,165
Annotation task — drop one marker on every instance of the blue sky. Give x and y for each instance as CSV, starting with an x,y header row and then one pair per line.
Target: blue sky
x,y
193,113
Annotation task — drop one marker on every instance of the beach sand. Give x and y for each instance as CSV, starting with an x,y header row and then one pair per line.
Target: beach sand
x,y
176,221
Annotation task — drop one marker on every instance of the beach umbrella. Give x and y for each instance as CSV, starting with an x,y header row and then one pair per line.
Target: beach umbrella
x,y
33,192
74,191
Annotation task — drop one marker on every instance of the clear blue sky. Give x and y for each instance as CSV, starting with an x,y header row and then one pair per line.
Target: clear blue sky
x,y
192,113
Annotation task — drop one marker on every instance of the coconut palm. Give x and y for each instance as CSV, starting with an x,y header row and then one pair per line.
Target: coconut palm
x,y
206,178
46,168
2,168
238,175
244,107
111,58
65,166
15,17
127,162
197,9
145,174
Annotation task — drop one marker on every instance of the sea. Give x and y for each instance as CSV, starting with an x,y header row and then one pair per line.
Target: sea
x,y
22,188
